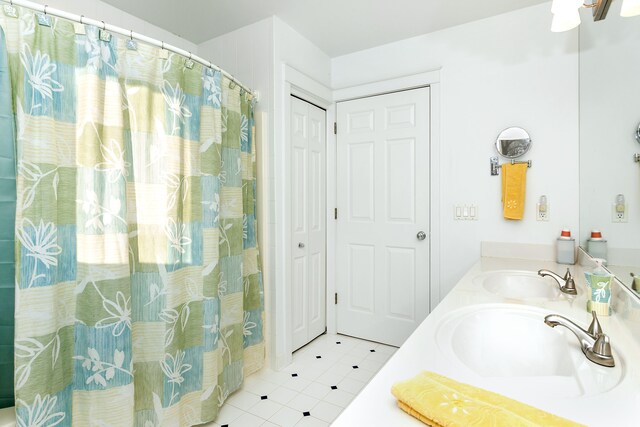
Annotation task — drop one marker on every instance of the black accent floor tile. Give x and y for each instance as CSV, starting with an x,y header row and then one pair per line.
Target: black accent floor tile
x,y
224,425
294,375
372,351
263,397
306,413
355,366
334,387
338,342
318,357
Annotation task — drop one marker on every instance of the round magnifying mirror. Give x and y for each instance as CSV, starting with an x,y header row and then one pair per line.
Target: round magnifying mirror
x,y
513,142
638,134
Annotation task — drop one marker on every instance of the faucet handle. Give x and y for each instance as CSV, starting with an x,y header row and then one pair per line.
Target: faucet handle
x,y
569,285
567,275
594,328
602,346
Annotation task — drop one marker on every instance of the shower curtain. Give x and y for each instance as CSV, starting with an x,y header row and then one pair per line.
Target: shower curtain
x,y
138,280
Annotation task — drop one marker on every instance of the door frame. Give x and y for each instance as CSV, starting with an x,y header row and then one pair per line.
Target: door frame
x,y
296,83
415,81
300,85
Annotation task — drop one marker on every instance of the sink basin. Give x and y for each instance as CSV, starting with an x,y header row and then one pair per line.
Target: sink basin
x,y
503,342
518,284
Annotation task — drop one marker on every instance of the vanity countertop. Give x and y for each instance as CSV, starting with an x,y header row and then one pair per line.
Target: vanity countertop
x,y
376,406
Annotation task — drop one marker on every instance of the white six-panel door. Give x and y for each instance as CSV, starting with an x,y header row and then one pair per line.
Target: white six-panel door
x,y
383,204
308,244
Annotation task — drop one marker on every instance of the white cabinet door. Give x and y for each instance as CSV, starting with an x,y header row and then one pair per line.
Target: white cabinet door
x,y
308,183
383,204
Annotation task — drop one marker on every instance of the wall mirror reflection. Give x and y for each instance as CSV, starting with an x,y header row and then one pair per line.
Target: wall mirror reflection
x,y
609,116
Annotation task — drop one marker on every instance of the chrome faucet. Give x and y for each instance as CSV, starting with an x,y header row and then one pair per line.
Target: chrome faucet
x,y
566,283
594,343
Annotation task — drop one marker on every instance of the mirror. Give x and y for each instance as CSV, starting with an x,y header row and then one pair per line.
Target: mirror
x,y
609,137
513,142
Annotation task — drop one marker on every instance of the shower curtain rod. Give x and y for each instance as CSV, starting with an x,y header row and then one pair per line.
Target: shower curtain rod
x,y
128,33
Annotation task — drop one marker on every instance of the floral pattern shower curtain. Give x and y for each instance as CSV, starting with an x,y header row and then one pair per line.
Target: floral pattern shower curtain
x,y
138,280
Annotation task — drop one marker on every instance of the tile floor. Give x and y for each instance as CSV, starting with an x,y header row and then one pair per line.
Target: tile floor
x,y
324,377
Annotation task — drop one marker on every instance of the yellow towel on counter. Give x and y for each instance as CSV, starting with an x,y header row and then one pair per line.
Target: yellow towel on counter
x,y
442,402
514,182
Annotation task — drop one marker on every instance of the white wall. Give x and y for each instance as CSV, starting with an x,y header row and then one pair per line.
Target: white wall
x,y
609,116
104,12
508,70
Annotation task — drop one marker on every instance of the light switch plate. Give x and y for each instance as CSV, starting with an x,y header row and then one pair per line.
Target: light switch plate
x,y
465,212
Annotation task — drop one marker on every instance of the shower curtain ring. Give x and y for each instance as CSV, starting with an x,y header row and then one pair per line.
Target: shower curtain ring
x,y
45,9
104,26
81,18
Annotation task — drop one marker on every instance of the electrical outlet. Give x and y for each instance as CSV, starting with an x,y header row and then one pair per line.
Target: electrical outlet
x,y
619,215
542,212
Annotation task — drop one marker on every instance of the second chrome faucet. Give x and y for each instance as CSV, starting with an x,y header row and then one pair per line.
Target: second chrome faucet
x,y
594,343
566,284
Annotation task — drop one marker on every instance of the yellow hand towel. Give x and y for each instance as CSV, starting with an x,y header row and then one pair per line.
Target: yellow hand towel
x,y
442,402
514,181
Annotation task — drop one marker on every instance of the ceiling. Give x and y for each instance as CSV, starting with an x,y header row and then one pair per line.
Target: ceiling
x,y
337,27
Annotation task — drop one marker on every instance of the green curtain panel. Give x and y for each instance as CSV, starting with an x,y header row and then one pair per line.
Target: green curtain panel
x,y
139,295
7,227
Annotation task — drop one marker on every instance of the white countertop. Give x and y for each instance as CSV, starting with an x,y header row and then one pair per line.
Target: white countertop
x,y
376,406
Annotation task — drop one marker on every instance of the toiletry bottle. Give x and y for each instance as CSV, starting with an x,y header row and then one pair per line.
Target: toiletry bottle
x,y
566,248
599,289
596,245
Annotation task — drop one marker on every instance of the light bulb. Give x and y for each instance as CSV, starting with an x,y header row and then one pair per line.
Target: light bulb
x,y
565,21
630,8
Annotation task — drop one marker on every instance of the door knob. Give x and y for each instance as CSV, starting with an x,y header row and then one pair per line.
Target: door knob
x,y
301,245
421,235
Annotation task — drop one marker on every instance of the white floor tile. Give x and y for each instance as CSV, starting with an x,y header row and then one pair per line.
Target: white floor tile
x,y
339,397
311,422
297,383
260,387
361,374
286,417
288,397
243,400
282,395
351,386
341,369
302,402
326,411
317,390
330,378
248,420
228,414
381,357
265,409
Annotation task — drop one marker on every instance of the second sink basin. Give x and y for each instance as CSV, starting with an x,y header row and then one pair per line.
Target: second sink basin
x,y
518,284
511,347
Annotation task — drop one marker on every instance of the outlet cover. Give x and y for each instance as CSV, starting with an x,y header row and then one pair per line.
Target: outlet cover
x,y
619,216
542,215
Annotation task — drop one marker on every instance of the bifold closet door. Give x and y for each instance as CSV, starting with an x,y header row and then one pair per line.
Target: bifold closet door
x,y
382,259
308,200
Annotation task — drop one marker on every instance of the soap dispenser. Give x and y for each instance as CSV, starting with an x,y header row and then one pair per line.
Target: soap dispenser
x,y
599,289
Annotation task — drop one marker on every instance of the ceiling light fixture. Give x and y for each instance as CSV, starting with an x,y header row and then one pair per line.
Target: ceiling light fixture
x,y
566,13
